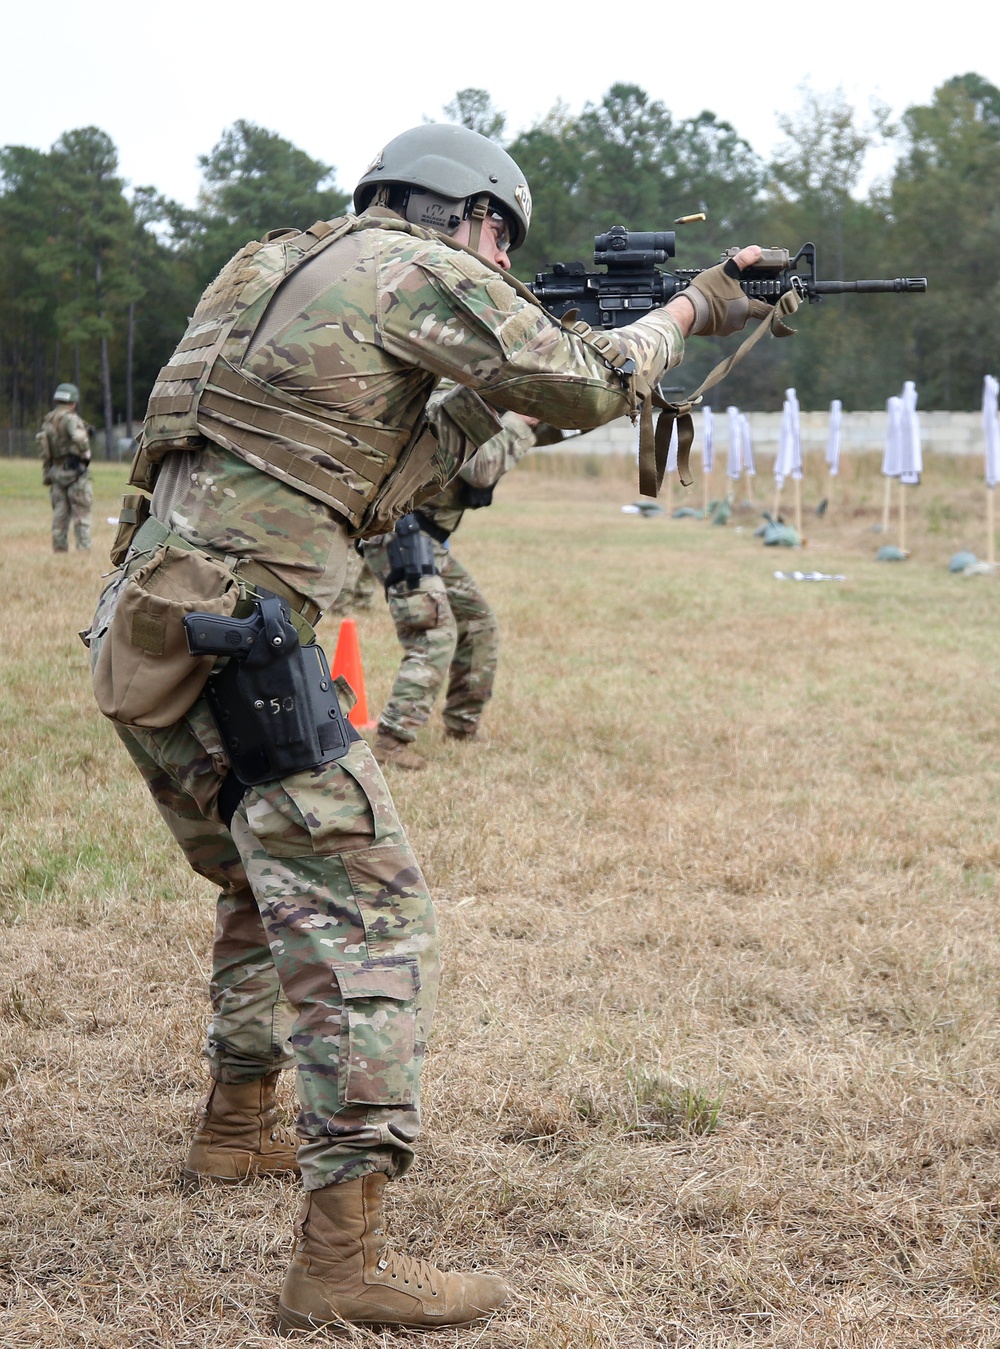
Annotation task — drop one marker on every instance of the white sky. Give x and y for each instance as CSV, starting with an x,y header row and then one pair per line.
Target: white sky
x,y
339,79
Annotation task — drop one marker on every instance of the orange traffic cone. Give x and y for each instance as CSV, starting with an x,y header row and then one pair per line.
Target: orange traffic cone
x,y
347,662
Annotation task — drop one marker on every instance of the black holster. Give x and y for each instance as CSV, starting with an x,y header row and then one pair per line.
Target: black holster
x,y
274,702
411,554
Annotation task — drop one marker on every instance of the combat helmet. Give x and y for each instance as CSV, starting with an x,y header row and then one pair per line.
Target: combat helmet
x,y
66,393
448,174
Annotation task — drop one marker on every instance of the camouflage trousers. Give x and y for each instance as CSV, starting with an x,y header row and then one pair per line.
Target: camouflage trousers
x,y
446,628
71,501
359,588
325,952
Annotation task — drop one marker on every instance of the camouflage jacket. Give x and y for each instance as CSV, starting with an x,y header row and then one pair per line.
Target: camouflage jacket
x,y
368,344
63,433
484,470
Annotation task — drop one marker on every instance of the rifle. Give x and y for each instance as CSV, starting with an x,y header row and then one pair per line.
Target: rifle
x,y
633,283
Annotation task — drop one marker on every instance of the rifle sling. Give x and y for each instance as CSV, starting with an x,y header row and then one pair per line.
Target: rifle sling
x,y
653,450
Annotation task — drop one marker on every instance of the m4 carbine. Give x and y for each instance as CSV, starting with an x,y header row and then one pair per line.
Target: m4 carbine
x,y
633,283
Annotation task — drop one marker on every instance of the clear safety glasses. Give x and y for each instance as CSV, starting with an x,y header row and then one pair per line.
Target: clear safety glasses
x,y
501,231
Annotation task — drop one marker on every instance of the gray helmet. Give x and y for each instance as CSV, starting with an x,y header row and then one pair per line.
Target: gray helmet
x,y
452,166
66,393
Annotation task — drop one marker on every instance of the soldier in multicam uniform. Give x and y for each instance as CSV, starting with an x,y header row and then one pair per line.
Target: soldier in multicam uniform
x,y
289,421
64,447
444,624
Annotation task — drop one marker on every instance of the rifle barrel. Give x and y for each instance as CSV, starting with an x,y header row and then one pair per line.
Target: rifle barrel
x,y
901,283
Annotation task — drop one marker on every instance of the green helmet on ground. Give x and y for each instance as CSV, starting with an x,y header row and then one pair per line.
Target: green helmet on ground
x,y
66,393
442,171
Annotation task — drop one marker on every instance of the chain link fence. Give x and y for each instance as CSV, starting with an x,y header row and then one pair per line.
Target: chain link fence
x,y
18,442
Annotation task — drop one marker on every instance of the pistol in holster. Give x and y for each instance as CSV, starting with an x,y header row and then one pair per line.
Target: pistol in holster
x,y
411,554
274,702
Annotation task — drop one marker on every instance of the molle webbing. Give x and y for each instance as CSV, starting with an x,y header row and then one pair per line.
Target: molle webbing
x,y
200,393
247,281
363,471
260,422
58,440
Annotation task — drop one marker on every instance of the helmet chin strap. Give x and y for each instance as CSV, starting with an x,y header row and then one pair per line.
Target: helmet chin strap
x,y
477,215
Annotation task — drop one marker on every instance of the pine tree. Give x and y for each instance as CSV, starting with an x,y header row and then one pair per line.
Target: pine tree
x,y
253,180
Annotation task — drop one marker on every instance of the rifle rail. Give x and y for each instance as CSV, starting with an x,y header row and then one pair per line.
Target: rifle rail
x,y
633,283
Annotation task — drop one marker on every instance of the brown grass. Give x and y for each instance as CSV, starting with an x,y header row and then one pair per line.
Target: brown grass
x,y
716,1061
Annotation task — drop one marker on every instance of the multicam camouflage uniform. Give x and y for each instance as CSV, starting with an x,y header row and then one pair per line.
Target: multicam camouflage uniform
x,y
321,897
446,626
359,589
64,446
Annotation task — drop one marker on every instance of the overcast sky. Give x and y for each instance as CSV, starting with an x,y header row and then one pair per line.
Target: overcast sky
x,y
339,80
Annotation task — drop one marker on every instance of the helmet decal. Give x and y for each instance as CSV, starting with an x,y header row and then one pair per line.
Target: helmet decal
x,y
523,197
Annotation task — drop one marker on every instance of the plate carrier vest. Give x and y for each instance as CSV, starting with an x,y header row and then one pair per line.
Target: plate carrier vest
x,y
367,473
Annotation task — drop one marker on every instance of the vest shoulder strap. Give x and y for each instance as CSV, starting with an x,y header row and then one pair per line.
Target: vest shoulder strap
x,y
246,280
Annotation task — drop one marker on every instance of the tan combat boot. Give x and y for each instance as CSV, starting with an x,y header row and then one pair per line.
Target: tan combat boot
x,y
343,1274
390,750
239,1137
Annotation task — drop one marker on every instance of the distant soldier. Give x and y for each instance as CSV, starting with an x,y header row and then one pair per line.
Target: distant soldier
x,y
64,446
443,621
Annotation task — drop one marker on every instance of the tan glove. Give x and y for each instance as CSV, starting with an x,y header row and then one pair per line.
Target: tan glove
x,y
720,307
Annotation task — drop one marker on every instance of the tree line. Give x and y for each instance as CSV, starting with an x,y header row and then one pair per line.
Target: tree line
x,y
97,278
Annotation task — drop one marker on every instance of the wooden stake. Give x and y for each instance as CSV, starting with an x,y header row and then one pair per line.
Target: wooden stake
x,y
704,493
886,505
798,506
902,517
777,503
990,527
670,494
749,482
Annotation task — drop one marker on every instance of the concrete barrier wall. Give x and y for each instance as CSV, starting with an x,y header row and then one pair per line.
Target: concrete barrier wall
x,y
860,432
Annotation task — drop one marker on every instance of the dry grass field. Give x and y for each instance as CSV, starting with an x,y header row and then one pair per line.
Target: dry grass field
x,y
717,1058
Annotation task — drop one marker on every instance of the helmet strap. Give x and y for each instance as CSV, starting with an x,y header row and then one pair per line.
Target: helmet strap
x,y
477,215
